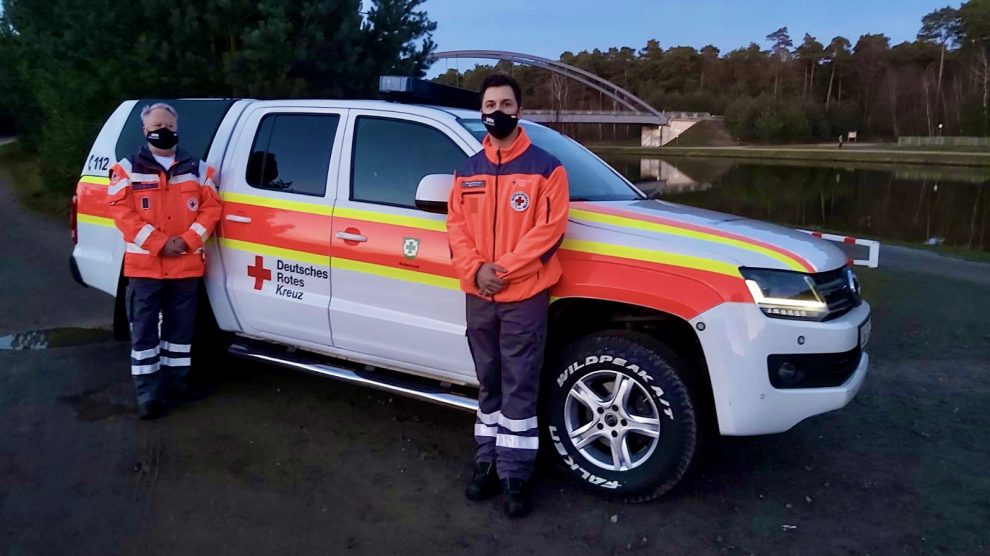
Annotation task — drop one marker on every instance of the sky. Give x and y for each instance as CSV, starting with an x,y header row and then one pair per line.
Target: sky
x,y
549,27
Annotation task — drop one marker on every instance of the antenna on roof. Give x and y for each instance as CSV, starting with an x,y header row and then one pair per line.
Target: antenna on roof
x,y
411,90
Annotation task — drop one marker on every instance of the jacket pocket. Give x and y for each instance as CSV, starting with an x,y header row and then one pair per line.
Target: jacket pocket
x,y
472,201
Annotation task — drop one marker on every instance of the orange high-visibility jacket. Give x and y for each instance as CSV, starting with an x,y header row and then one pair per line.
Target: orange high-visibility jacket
x,y
509,207
150,204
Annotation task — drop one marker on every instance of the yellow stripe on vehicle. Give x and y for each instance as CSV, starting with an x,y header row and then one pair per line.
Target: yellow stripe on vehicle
x,y
649,255
393,219
95,220
95,180
396,273
655,227
268,202
278,252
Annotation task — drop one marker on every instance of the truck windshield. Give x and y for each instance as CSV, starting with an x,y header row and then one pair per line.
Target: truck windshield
x,y
589,178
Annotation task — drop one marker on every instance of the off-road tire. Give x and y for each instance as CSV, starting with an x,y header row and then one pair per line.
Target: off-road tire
x,y
661,381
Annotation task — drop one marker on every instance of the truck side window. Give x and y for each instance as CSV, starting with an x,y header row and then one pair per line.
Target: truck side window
x,y
291,153
392,156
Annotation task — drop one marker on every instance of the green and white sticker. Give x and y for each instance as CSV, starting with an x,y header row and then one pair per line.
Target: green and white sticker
x,y
410,247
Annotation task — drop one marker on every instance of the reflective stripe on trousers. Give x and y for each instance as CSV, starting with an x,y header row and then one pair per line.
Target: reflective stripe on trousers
x,y
507,343
158,363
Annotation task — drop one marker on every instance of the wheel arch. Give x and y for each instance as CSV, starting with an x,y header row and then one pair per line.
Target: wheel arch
x,y
573,317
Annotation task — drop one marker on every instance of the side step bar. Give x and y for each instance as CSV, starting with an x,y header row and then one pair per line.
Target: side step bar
x,y
395,383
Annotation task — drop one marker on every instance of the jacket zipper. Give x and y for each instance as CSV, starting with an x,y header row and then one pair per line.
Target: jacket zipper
x,y
498,168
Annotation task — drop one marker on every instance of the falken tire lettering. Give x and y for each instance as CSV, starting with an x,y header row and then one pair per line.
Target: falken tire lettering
x,y
573,465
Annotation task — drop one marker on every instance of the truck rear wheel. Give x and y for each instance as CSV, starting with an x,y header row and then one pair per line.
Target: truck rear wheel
x,y
620,417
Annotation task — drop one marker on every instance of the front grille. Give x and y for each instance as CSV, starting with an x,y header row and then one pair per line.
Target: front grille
x,y
834,288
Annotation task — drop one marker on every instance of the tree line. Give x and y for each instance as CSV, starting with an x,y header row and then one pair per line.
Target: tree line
x,y
791,88
66,64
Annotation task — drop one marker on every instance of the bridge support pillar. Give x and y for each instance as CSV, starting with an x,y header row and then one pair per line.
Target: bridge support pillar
x,y
652,136
659,136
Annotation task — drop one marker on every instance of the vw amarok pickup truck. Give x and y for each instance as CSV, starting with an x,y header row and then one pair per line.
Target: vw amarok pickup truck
x,y
331,256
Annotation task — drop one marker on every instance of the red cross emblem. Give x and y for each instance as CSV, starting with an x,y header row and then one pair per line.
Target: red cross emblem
x,y
259,272
519,202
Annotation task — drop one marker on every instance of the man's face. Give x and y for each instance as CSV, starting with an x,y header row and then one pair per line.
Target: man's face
x,y
159,118
499,98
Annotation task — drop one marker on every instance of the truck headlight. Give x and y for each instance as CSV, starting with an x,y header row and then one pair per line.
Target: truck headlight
x,y
784,294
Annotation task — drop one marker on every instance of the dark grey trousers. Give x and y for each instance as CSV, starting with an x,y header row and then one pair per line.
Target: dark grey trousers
x,y
158,363
507,342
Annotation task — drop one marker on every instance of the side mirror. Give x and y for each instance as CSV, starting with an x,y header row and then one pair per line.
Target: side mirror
x,y
433,192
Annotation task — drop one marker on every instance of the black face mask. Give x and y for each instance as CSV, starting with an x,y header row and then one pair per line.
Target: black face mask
x,y
500,124
163,138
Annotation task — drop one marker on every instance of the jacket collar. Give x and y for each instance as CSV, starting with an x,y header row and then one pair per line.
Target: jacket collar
x,y
145,155
514,151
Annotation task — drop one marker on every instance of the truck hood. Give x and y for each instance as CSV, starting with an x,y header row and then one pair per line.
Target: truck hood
x,y
671,227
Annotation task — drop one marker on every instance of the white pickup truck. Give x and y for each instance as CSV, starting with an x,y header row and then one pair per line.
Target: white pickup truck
x,y
331,256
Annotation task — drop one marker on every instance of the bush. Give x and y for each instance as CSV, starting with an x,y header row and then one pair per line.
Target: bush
x,y
769,125
737,118
794,124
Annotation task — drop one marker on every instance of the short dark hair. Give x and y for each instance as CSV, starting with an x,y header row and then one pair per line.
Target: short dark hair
x,y
501,80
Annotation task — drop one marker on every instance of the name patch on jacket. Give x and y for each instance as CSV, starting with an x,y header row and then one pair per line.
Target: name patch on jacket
x,y
141,186
475,183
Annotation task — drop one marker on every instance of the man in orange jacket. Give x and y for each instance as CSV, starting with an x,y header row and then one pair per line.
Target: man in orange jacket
x,y
506,219
164,201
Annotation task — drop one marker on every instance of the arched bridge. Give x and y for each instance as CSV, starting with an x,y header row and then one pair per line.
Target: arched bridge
x,y
638,111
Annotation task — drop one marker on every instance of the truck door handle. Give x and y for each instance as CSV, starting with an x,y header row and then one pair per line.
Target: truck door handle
x,y
239,218
347,236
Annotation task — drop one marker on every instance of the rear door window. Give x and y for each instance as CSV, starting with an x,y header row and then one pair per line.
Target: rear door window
x,y
291,153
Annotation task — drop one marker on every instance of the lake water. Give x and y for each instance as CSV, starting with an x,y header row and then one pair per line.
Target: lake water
x,y
947,205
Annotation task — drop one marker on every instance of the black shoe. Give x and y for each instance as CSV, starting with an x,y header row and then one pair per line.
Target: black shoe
x,y
150,410
518,502
484,483
186,393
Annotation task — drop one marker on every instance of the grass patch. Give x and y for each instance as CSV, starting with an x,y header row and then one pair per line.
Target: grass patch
x,y
19,169
973,255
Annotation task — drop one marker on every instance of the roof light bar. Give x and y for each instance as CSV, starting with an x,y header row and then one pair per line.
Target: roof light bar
x,y
412,90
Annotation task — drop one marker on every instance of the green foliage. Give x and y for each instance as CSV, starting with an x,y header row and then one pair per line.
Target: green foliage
x,y
941,26
73,61
768,125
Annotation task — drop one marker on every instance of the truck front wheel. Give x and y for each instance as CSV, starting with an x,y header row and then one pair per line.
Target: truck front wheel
x,y
620,417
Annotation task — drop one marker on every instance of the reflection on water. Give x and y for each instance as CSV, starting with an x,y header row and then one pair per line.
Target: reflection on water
x,y
661,176
949,205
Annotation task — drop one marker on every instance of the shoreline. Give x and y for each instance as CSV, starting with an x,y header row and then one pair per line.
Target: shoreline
x,y
812,153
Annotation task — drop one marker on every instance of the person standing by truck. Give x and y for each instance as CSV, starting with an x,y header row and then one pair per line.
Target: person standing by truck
x,y
164,202
507,216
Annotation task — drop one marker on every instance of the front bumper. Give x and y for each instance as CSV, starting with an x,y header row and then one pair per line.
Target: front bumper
x,y
738,339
